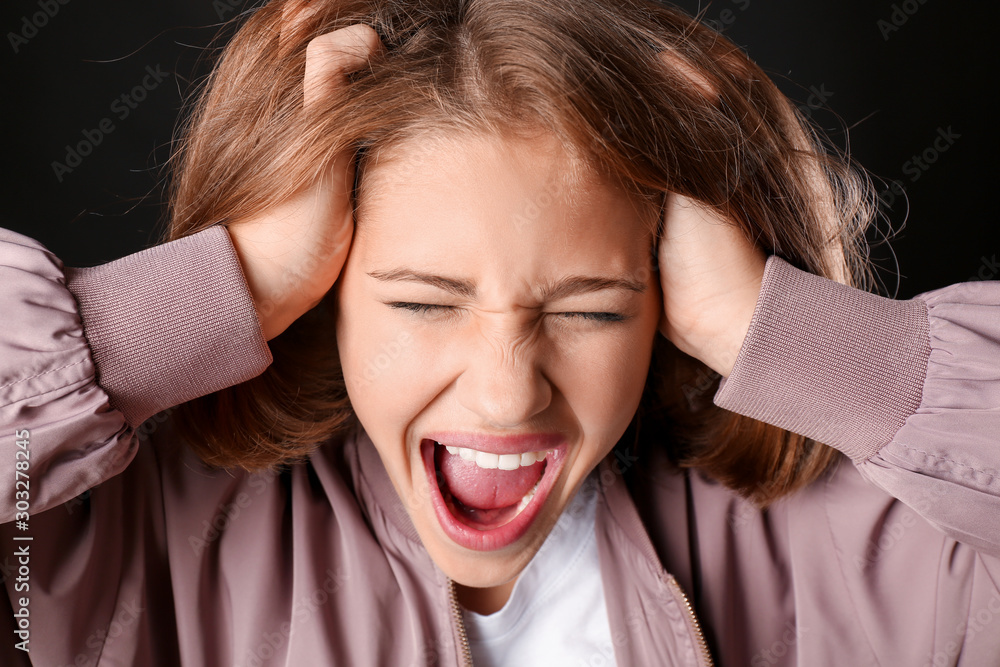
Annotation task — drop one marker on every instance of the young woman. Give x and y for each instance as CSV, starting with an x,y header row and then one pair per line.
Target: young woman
x,y
506,332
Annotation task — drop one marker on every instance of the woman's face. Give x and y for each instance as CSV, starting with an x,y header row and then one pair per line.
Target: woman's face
x,y
495,304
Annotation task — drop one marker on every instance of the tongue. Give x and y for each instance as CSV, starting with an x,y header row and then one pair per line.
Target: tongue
x,y
484,488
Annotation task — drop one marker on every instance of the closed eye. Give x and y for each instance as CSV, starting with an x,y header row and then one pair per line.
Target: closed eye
x,y
428,308
596,317
421,308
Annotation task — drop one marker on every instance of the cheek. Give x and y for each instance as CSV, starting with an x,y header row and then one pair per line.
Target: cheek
x,y
376,357
375,350
607,391
603,381
612,368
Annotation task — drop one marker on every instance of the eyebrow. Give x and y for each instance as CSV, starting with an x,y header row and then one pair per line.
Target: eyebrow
x,y
568,286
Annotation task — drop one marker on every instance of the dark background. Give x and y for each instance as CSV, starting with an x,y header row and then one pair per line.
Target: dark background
x,y
898,74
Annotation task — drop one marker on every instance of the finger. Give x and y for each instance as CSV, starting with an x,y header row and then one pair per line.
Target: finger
x,y
331,57
687,229
701,253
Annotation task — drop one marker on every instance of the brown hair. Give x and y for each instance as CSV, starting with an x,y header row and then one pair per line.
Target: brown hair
x,y
711,126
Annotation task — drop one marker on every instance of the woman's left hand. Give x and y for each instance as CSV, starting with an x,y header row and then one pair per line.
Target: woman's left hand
x,y
711,275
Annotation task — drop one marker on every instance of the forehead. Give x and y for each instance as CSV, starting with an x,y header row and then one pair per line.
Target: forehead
x,y
507,216
417,159
519,178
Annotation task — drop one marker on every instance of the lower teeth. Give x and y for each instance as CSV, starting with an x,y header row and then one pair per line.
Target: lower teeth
x,y
527,497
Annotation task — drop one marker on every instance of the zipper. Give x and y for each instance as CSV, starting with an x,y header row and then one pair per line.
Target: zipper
x,y
456,611
702,644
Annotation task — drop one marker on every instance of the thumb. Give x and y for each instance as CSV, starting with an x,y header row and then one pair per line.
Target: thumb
x,y
331,57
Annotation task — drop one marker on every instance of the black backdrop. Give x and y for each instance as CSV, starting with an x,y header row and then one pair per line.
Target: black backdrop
x,y
914,80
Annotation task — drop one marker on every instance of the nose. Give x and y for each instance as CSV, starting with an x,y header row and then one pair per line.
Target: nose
x,y
503,382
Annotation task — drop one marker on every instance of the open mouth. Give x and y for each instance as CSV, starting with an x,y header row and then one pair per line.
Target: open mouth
x,y
486,501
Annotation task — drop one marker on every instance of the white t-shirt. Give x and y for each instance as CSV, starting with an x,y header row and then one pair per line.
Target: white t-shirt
x,y
556,613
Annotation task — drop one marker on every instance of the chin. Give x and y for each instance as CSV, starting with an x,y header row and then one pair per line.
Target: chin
x,y
477,569
485,574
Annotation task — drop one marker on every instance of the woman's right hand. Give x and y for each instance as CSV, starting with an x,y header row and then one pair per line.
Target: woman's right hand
x,y
293,252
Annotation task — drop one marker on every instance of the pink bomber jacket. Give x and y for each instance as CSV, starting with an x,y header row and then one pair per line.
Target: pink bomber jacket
x,y
120,548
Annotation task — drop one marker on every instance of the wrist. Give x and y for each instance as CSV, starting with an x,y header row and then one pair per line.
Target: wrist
x,y
280,294
716,341
289,268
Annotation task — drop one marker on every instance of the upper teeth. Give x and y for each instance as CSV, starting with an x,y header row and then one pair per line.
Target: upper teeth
x,y
501,461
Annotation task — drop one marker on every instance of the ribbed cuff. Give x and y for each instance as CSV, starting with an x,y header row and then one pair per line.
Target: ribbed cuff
x,y
170,323
833,363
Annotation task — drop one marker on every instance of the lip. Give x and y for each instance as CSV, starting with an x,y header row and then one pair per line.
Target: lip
x,y
515,529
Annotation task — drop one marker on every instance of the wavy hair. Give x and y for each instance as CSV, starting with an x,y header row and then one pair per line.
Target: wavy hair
x,y
642,91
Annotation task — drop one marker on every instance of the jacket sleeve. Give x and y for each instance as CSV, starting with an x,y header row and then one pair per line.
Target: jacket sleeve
x,y
908,389
86,355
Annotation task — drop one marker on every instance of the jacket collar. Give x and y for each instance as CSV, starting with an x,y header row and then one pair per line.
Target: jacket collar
x,y
651,621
